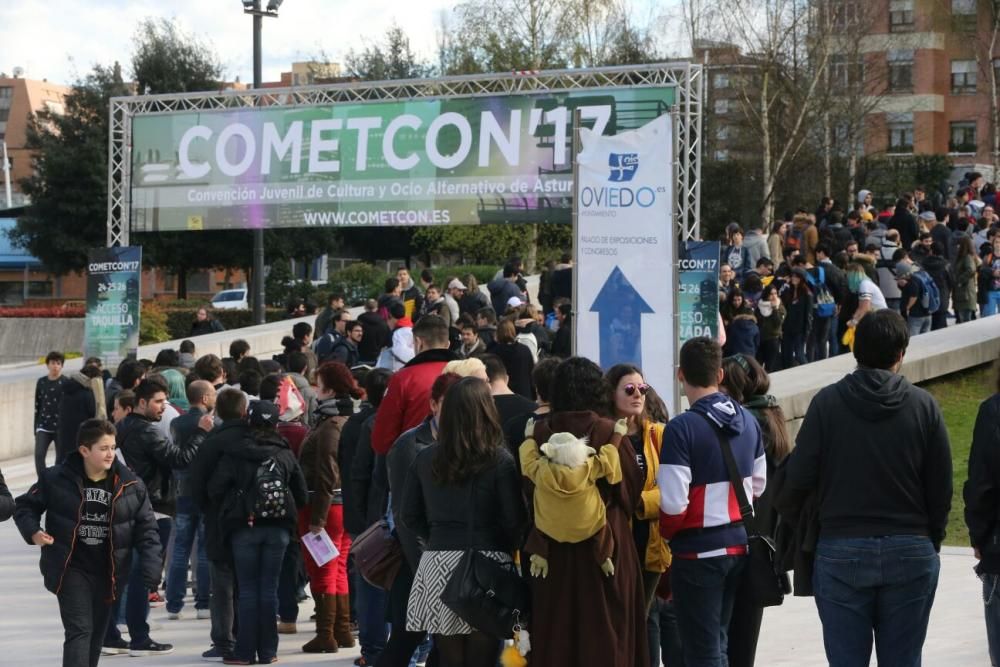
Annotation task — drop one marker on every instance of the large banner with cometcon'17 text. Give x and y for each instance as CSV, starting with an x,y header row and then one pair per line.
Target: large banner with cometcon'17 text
x,y
113,302
496,159
698,291
625,236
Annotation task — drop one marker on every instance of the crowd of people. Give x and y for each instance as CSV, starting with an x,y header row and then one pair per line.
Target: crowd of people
x,y
476,436
794,293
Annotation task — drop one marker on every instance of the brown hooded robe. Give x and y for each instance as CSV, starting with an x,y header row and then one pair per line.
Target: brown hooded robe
x,y
579,617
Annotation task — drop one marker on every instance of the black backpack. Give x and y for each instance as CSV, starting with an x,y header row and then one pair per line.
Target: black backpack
x,y
269,491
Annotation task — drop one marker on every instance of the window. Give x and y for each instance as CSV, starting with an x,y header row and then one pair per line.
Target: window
x,y
721,154
4,115
900,132
900,15
901,71
721,106
962,138
963,15
6,92
722,132
720,81
845,14
963,77
846,72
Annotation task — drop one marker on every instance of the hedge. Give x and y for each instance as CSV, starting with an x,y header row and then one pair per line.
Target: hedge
x,y
179,320
42,311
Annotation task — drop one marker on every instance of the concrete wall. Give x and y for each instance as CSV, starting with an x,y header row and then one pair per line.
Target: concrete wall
x,y
929,356
17,385
28,338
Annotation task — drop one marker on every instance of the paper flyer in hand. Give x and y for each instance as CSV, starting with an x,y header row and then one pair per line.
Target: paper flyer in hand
x,y
320,547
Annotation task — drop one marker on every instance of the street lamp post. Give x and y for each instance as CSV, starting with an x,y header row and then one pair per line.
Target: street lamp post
x,y
253,7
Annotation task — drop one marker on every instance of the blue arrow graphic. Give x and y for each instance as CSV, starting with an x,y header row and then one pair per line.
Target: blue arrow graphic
x,y
620,310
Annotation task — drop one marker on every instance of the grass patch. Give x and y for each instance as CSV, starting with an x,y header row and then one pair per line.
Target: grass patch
x,y
959,395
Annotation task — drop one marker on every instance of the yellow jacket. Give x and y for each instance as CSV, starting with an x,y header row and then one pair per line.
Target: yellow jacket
x,y
568,505
657,557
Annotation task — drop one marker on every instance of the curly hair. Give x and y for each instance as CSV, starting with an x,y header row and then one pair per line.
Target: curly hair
x,y
337,377
579,385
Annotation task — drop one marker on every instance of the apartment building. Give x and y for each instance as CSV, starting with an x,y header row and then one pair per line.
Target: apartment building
x,y
928,68
19,98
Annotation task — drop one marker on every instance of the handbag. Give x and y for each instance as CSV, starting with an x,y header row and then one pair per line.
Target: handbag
x,y
488,595
762,578
378,554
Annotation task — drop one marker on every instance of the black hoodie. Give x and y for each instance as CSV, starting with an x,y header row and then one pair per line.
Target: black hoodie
x,y
876,450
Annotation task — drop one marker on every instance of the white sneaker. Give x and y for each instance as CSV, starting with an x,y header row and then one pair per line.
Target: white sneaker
x,y
204,614
175,615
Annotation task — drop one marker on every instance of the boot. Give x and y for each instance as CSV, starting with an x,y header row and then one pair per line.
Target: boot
x,y
326,611
342,622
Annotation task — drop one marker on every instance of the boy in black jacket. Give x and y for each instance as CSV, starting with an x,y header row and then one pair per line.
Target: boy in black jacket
x,y
96,511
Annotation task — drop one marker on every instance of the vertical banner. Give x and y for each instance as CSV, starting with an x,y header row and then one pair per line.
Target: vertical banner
x,y
698,292
624,239
112,327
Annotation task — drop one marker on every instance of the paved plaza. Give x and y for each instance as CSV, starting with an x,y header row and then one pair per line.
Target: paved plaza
x,y
31,633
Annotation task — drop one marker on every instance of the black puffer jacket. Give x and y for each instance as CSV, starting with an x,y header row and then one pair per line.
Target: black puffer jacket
x,y
59,495
231,485
77,406
153,457
6,501
229,434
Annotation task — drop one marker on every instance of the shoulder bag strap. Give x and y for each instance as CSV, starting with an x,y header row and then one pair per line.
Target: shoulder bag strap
x,y
746,509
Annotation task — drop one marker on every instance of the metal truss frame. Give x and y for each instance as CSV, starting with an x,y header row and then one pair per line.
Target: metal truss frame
x,y
687,78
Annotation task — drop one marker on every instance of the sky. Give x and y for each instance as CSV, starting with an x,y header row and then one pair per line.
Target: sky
x,y
61,40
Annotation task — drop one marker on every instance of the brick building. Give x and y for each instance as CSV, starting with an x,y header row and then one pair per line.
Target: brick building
x,y
935,95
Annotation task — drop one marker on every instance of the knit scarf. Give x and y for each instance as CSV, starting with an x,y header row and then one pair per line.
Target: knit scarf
x,y
335,406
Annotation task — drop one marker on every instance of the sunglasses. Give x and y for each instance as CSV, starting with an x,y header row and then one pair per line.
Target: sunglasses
x,y
631,389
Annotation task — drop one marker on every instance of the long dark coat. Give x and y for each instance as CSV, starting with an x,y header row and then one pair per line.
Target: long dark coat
x,y
580,618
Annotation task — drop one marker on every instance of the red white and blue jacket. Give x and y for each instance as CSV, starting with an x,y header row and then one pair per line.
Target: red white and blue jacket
x,y
699,513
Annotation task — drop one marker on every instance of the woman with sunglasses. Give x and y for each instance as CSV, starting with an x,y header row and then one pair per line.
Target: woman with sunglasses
x,y
745,381
628,401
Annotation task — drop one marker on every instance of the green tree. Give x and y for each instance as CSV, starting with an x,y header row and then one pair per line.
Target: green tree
x,y
390,58
165,59
68,189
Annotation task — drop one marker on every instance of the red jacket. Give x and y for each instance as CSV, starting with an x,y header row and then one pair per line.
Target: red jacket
x,y
407,399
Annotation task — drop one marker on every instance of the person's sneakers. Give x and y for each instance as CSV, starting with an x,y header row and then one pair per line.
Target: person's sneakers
x,y
175,615
150,648
202,614
361,662
155,599
119,647
287,628
215,655
235,661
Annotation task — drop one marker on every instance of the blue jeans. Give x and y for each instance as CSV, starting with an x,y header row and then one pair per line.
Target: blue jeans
x,y
663,634
136,602
918,325
257,554
881,586
188,524
373,630
288,583
704,591
992,305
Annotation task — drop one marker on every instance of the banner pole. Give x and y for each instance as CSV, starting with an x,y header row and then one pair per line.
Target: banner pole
x,y
680,238
577,147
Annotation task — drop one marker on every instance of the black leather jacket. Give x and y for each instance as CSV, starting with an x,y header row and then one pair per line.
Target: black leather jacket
x,y
59,495
484,512
200,471
6,501
152,457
